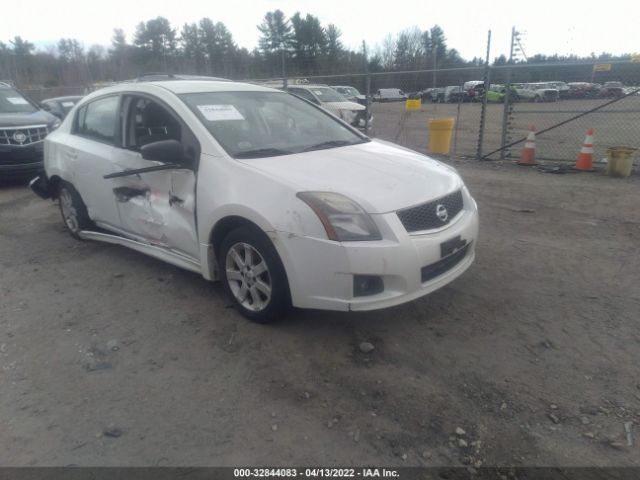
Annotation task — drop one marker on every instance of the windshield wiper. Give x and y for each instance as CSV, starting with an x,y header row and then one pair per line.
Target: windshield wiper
x,y
261,152
331,144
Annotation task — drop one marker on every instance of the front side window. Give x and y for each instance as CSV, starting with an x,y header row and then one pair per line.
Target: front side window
x,y
262,124
12,102
149,122
98,119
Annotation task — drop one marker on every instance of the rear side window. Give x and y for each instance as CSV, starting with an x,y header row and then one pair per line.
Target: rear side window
x,y
97,119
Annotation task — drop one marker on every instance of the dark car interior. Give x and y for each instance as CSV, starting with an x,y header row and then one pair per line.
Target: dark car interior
x,y
150,122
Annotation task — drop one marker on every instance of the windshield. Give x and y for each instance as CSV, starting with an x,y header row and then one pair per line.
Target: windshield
x,y
351,91
267,124
12,102
326,94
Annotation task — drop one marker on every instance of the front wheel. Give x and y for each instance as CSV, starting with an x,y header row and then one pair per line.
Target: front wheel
x,y
253,275
73,210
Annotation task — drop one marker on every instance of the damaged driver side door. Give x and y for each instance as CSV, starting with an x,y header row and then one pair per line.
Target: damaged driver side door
x,y
155,176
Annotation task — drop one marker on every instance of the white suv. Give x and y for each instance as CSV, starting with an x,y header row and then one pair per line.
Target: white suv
x,y
281,201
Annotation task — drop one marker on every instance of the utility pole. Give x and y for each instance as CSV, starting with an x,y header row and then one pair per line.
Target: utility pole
x,y
483,111
284,72
507,95
435,63
367,88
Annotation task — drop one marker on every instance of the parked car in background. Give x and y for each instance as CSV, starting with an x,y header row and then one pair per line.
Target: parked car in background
x,y
352,94
454,94
612,90
326,97
389,95
434,95
524,92
60,106
496,94
474,90
544,92
292,206
562,87
583,90
23,128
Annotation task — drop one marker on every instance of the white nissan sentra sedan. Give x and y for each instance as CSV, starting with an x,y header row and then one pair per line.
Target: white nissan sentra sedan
x,y
280,200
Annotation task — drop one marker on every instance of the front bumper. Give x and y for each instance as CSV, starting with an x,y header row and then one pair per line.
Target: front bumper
x,y
18,160
321,272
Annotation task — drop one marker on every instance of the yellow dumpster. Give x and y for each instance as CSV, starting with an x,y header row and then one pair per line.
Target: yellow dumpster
x,y
410,105
619,161
440,130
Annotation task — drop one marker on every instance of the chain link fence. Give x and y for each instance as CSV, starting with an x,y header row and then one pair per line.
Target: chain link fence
x,y
560,100
564,98
39,94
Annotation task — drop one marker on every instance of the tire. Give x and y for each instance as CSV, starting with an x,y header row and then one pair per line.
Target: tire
x,y
253,275
73,210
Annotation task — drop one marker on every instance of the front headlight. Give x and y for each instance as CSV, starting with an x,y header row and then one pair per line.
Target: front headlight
x,y
55,124
343,219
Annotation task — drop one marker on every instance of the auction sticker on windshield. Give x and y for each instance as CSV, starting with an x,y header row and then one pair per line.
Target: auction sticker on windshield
x,y
215,113
17,100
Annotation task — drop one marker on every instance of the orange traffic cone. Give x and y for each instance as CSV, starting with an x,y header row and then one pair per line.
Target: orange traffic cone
x,y
528,154
585,159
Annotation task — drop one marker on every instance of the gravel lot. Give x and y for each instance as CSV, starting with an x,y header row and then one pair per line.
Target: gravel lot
x,y
112,358
615,125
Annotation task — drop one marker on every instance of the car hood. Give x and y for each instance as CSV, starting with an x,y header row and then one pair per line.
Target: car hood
x,y
380,176
343,106
39,117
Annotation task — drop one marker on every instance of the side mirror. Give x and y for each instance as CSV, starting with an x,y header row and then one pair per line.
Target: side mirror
x,y
46,107
165,151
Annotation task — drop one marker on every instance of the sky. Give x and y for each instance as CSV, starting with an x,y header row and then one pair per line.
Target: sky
x,y
561,26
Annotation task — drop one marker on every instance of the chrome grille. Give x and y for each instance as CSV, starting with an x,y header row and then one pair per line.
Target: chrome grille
x,y
425,216
21,136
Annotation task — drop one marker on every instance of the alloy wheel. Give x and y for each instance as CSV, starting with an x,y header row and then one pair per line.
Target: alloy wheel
x,y
69,212
248,277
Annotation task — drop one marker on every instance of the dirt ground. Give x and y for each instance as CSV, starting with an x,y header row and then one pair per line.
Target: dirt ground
x,y
615,125
111,358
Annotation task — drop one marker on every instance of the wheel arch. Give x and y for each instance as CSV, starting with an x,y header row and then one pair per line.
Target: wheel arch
x,y
54,184
223,227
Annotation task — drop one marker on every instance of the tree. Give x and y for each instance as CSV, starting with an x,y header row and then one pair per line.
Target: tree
x,y
387,52
156,41
438,43
334,46
192,47
22,53
276,37
275,32
309,42
219,46
119,51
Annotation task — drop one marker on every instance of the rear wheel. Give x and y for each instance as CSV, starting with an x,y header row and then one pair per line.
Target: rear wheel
x,y
73,210
253,275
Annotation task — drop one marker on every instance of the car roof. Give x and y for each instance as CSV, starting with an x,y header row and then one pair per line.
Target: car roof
x,y
62,99
183,86
307,85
